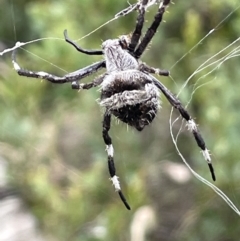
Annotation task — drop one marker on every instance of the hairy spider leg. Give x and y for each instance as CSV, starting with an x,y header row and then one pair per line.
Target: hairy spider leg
x,y
152,29
190,123
138,29
70,77
108,141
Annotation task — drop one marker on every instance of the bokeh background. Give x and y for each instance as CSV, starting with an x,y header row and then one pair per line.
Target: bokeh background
x,y
54,180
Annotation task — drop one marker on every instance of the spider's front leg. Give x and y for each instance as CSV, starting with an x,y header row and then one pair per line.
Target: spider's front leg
x,y
142,6
190,123
80,49
152,29
138,29
70,77
108,141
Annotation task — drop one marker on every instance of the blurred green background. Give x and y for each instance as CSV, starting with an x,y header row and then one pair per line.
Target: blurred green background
x,y
51,135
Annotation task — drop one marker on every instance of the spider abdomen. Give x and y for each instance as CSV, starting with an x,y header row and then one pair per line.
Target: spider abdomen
x,y
138,115
131,97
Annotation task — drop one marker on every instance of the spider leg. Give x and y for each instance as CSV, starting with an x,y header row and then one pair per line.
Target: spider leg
x,y
190,122
152,29
111,167
145,68
71,77
142,6
126,10
138,29
78,48
86,86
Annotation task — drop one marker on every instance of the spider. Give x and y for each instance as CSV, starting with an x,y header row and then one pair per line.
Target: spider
x,y
128,89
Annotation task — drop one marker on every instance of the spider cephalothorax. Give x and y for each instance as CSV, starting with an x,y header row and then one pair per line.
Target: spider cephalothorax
x,y
128,90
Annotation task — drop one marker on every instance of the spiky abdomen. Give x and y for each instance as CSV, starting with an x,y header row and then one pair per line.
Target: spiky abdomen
x,y
131,97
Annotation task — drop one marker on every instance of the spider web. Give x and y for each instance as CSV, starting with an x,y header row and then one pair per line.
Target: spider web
x,y
212,64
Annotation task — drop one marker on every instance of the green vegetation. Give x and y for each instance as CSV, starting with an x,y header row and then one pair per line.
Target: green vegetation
x,y
51,134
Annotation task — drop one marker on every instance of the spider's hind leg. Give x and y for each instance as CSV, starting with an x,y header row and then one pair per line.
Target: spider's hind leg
x,y
190,123
145,68
96,82
108,141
